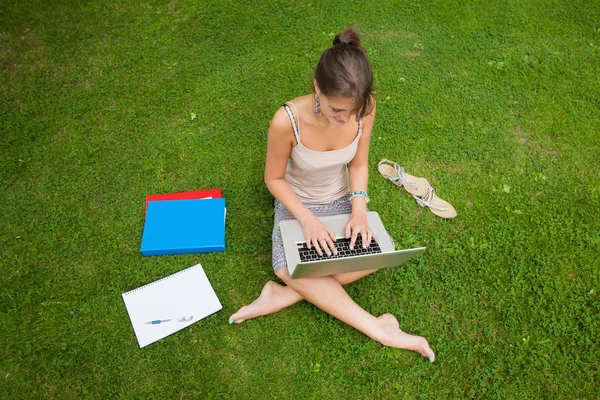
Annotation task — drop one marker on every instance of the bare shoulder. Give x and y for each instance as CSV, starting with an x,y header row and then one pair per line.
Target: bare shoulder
x,y
280,131
371,113
281,121
369,118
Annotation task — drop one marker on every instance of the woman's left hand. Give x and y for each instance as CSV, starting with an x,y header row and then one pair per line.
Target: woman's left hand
x,y
358,224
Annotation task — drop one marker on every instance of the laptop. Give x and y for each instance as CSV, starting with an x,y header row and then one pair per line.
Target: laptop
x,y
306,263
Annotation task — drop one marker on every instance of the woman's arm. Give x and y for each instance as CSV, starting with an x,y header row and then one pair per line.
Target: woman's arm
x,y
279,146
280,141
359,181
359,166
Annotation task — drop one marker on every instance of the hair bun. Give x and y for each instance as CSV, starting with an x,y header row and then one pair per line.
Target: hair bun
x,y
348,36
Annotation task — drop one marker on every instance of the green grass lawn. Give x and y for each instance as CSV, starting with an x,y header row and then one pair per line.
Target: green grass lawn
x,y
497,104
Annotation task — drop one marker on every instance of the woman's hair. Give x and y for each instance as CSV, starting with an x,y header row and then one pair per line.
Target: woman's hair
x,y
344,70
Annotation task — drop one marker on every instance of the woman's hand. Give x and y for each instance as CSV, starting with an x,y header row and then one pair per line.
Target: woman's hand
x,y
358,224
319,235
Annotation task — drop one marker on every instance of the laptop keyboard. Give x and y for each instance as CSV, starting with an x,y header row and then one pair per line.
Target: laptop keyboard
x,y
343,247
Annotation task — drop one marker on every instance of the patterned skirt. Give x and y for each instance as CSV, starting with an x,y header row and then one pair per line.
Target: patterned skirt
x,y
339,206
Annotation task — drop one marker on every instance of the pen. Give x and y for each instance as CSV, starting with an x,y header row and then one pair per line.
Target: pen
x,y
160,321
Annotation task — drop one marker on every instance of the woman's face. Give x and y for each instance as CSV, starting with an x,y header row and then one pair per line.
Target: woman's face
x,y
337,110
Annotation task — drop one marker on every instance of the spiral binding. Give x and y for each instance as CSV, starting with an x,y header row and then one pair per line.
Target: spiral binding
x,y
161,279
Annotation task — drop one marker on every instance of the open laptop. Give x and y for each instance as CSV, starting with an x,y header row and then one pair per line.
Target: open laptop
x,y
306,263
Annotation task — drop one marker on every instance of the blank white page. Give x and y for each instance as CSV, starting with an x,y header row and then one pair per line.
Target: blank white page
x,y
181,295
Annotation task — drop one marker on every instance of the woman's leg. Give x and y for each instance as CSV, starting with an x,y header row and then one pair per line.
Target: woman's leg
x,y
275,297
328,294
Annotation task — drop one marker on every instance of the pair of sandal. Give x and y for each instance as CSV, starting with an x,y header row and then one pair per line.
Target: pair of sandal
x,y
419,188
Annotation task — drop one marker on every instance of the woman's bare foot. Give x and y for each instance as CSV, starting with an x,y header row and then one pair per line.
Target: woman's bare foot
x,y
273,298
393,336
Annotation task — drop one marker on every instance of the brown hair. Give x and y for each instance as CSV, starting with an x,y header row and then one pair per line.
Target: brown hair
x,y
344,70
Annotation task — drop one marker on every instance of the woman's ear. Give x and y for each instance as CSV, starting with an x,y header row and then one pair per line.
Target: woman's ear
x,y
316,86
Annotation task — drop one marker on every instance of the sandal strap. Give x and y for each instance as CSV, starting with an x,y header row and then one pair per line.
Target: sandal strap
x,y
399,170
408,183
393,165
426,200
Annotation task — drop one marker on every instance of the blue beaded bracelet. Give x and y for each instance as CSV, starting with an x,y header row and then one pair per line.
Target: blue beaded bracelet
x,y
360,193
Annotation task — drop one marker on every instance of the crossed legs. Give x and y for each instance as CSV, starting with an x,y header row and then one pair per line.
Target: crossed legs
x,y
328,294
275,297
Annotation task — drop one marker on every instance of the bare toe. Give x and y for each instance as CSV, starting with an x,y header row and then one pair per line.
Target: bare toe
x,y
237,318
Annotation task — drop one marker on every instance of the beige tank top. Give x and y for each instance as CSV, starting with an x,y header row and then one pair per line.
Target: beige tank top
x,y
318,177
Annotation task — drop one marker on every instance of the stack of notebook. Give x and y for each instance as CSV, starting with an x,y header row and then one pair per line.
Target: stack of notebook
x,y
182,223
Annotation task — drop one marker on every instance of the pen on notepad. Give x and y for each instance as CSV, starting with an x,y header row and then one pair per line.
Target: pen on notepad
x,y
160,321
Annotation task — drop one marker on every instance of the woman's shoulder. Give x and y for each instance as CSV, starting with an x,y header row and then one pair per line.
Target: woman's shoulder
x,y
296,106
370,112
281,119
372,106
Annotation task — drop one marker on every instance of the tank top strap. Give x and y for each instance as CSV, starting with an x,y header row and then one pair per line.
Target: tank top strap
x,y
295,124
359,127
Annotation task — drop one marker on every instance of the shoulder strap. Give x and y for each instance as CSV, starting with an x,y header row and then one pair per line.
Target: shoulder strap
x,y
359,127
295,127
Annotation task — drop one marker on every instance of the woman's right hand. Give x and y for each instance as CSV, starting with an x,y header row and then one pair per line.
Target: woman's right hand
x,y
319,235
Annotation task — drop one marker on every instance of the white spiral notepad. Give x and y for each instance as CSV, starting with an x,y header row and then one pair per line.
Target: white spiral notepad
x,y
170,304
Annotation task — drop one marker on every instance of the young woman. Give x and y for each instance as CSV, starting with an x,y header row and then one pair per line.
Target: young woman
x,y
311,141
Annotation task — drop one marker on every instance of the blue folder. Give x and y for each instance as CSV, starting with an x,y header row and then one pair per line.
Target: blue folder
x,y
184,226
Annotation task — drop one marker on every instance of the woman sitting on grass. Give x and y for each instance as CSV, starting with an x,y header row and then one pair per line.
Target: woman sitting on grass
x,y
311,140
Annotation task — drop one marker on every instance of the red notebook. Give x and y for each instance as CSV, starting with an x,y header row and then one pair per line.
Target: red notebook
x,y
198,194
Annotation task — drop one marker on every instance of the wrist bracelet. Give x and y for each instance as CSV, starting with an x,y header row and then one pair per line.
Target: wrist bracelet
x,y
359,193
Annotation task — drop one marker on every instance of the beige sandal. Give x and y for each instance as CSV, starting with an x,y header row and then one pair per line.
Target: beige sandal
x,y
439,207
395,174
